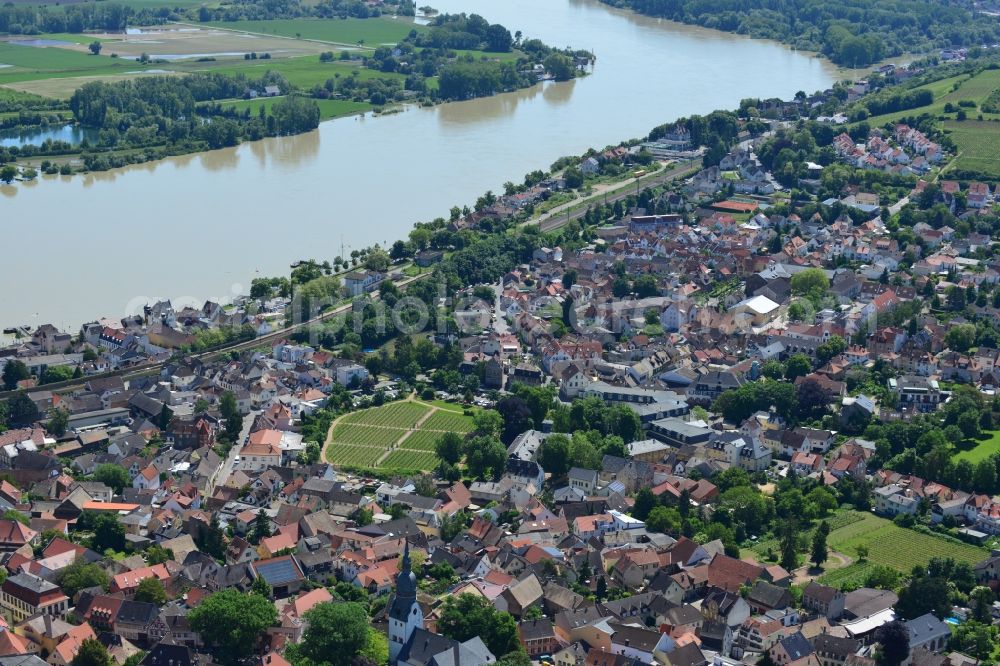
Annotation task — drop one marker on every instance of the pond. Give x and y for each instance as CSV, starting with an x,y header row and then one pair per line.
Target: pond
x,y
73,134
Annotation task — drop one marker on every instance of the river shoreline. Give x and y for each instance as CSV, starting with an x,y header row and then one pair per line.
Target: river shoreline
x,y
357,182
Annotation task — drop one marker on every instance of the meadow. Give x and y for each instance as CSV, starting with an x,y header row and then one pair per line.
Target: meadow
x,y
397,437
350,31
328,108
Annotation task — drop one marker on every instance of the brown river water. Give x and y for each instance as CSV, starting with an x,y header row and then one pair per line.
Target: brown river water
x,y
202,226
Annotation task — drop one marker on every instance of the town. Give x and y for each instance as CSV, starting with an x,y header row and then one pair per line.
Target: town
x,y
737,406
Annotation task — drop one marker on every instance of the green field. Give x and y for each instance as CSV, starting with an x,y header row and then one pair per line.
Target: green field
x,y
28,63
895,546
982,448
373,32
976,89
328,108
449,421
388,438
978,145
304,72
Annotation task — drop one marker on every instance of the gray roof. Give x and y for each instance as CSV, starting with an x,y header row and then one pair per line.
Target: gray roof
x,y
796,646
32,582
926,628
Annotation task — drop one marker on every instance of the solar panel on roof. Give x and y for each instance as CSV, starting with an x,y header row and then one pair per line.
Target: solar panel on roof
x,y
279,572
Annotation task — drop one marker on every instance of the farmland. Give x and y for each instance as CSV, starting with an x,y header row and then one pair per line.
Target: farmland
x,y
894,546
328,108
399,436
370,32
975,88
978,144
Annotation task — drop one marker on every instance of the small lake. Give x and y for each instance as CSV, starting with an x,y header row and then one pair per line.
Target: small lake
x,y
72,134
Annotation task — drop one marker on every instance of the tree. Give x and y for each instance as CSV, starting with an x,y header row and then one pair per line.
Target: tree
x,y
113,476
559,66
664,520
789,544
517,417
151,591
487,422
261,527
466,616
811,283
91,653
960,337
335,633
80,575
232,623
862,553
894,642
8,173
108,532
924,594
981,600
797,365
58,421
449,447
377,260
553,454
485,457
21,410
573,177
819,554
95,47
231,413
14,371
163,422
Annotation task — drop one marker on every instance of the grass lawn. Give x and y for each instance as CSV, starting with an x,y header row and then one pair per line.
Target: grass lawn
x,y
328,108
981,448
978,145
374,31
897,547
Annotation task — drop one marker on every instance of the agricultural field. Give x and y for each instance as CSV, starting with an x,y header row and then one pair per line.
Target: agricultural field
x,y
350,31
394,415
976,89
443,420
328,108
396,436
978,145
895,546
354,433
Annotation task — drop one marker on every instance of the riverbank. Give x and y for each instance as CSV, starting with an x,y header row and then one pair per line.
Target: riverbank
x,y
361,180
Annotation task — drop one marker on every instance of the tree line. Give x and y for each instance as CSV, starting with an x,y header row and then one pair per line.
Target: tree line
x,y
854,33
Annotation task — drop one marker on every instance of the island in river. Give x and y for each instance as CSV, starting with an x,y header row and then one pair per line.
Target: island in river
x,y
143,118
203,226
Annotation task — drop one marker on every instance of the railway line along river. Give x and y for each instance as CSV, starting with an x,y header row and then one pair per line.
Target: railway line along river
x,y
202,226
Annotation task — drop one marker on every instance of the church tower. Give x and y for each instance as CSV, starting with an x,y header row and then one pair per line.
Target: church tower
x,y
405,614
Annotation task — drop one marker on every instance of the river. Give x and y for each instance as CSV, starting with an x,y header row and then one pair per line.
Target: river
x,y
202,226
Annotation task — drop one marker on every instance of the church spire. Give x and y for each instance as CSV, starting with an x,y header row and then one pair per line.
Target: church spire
x,y
406,557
